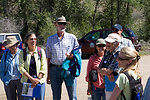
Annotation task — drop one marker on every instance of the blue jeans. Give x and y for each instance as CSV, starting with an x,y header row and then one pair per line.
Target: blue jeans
x,y
42,94
56,84
98,93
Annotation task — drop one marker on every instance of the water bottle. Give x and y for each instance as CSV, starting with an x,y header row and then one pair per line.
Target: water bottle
x,y
138,96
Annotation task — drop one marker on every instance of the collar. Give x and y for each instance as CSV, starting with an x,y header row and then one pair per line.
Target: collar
x,y
63,36
34,51
115,51
18,50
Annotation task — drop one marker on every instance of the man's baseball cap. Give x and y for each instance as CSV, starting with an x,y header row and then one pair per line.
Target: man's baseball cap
x,y
100,41
113,37
117,26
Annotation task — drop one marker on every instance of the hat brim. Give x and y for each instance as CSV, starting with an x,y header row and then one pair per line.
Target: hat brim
x,y
60,22
115,28
9,45
109,40
100,43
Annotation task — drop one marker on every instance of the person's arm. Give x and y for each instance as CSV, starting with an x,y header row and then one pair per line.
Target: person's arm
x,y
89,90
48,56
48,67
2,66
115,93
43,68
102,71
89,67
34,81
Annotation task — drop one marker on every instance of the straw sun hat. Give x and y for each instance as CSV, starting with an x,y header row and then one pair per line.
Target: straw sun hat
x,y
10,41
61,19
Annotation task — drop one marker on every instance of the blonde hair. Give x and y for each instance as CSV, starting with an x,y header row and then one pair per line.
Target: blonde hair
x,y
131,54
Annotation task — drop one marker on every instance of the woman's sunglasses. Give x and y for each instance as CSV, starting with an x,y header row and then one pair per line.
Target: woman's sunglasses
x,y
119,58
101,45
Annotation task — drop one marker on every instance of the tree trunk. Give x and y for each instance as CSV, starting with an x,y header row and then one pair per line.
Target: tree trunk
x,y
111,13
94,15
118,11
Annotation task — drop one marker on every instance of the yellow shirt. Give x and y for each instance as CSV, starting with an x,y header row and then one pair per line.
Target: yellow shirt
x,y
41,65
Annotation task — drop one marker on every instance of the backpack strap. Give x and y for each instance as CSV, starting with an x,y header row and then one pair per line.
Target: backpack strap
x,y
39,52
24,54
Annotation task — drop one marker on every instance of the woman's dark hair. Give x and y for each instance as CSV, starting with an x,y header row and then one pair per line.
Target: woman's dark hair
x,y
27,37
95,52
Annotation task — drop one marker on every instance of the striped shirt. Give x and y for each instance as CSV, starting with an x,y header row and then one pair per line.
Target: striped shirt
x,y
56,48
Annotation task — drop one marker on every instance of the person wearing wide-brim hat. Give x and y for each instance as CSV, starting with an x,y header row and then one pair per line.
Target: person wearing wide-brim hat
x,y
10,41
61,20
9,69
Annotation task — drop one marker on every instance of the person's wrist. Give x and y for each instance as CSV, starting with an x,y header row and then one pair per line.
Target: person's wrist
x,y
39,78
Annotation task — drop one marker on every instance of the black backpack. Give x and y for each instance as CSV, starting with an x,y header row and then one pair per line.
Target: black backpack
x,y
135,86
93,75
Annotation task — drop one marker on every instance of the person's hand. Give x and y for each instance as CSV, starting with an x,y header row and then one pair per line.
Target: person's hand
x,y
48,80
109,71
89,91
69,55
34,81
111,77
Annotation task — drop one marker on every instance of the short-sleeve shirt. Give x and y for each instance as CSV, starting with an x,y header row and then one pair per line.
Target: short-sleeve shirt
x,y
123,83
126,43
57,48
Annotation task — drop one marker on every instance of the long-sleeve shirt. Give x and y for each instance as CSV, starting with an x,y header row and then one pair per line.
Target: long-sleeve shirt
x,y
93,63
41,64
9,67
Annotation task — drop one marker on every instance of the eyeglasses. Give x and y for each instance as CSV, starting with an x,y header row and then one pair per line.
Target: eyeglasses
x,y
119,58
101,45
62,23
33,39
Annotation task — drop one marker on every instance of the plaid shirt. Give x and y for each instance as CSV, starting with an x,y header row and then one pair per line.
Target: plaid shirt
x,y
56,48
109,60
125,43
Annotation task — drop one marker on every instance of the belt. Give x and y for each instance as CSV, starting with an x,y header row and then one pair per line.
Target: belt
x,y
55,65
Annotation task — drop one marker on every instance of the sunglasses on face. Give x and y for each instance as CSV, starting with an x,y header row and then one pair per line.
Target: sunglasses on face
x,y
62,23
101,46
33,39
119,58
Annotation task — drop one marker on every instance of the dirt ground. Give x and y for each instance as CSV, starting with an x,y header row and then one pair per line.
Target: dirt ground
x,y
82,85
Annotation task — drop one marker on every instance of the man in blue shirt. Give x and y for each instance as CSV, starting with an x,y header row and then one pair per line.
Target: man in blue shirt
x,y
117,28
58,47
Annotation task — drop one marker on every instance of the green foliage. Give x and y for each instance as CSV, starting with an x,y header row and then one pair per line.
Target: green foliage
x,y
145,30
83,15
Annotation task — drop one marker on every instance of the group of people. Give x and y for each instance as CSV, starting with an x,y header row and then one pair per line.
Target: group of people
x,y
113,55
31,66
